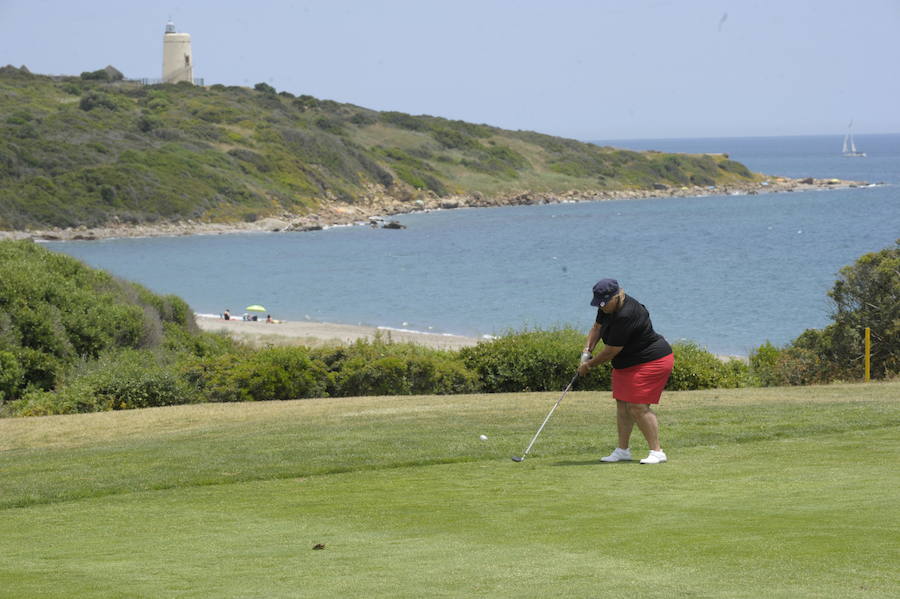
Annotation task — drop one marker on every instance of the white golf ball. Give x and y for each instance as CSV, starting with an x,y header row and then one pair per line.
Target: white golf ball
x,y
483,437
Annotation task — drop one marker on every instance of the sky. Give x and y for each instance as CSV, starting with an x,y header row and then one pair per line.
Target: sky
x,y
590,70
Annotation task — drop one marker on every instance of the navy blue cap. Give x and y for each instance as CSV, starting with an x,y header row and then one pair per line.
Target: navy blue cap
x,y
604,290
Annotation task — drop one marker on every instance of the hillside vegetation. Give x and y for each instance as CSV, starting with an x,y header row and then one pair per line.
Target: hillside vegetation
x,y
79,151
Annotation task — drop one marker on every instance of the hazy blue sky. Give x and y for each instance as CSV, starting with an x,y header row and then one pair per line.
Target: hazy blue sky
x,y
603,69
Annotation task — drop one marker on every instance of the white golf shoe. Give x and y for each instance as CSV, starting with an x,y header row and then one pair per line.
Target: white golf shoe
x,y
655,457
618,455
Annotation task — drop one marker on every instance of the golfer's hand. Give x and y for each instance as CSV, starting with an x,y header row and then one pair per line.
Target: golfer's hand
x,y
583,368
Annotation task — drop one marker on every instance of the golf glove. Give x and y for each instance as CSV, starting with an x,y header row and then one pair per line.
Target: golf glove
x,y
585,356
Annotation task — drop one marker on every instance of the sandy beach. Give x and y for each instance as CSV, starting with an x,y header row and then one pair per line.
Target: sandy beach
x,y
316,334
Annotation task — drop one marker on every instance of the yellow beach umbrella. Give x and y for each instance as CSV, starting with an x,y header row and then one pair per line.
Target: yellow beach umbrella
x,y
255,308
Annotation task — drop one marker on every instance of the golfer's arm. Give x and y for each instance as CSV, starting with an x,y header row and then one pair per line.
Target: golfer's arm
x,y
606,354
593,337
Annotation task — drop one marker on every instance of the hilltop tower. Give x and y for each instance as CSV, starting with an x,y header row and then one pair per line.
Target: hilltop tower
x,y
178,64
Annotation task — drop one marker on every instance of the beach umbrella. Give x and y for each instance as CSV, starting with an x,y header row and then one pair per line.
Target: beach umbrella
x,y
255,308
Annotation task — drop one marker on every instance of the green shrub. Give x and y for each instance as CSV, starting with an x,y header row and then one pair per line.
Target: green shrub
x,y
362,119
54,310
764,365
305,102
381,367
696,368
118,380
96,99
403,120
11,376
441,375
532,361
330,125
179,341
264,88
403,375
39,370
147,123
98,75
384,376
800,366
277,373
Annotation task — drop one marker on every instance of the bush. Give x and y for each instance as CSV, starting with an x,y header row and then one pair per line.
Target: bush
x,y
696,368
330,125
119,380
380,367
276,373
403,375
361,119
98,75
403,120
147,123
54,311
11,375
264,88
532,361
39,370
94,99
764,365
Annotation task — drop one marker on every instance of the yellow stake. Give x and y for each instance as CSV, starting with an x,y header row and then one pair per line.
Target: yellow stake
x,y
868,351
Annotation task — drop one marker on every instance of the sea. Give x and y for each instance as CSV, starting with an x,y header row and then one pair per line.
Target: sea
x,y
728,272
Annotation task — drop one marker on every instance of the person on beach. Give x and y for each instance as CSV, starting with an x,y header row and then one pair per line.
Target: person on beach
x,y
269,319
227,314
642,361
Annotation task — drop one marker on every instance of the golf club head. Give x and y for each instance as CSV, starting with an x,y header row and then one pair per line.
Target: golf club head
x,y
518,459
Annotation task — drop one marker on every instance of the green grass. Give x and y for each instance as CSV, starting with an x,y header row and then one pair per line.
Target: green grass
x,y
780,492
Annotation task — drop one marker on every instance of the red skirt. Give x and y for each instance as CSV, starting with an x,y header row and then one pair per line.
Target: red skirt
x,y
642,383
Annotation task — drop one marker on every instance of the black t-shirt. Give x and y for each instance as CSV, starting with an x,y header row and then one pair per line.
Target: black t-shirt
x,y
630,328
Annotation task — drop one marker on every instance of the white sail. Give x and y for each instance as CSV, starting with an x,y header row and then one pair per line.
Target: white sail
x,y
849,144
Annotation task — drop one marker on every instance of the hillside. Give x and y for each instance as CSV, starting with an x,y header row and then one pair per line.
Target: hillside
x,y
77,152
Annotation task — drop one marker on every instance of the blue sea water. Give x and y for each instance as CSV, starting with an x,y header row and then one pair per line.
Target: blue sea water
x,y
729,272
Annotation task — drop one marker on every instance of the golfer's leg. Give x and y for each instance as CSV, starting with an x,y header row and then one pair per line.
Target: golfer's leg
x,y
647,423
624,423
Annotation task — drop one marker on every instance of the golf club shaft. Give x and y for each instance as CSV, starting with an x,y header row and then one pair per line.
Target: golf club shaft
x,y
569,386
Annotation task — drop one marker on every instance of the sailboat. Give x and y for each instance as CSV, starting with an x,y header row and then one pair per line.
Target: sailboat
x,y
849,145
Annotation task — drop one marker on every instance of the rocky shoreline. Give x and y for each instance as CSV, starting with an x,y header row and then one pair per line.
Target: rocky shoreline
x,y
374,209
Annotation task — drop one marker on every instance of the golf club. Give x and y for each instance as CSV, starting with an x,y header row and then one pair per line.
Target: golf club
x,y
527,449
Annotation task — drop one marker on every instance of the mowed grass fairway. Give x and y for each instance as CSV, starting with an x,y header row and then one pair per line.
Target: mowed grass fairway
x,y
785,492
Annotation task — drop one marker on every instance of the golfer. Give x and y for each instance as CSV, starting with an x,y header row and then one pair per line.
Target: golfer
x,y
642,361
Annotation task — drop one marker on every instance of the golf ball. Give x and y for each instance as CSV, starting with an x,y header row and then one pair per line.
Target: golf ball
x,y
483,437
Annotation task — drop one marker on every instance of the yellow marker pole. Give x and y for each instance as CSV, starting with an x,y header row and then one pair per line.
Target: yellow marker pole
x,y
868,351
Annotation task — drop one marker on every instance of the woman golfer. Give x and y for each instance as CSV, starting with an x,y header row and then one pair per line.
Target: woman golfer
x,y
642,361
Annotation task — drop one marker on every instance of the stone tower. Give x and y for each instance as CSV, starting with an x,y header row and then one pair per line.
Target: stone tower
x,y
178,64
